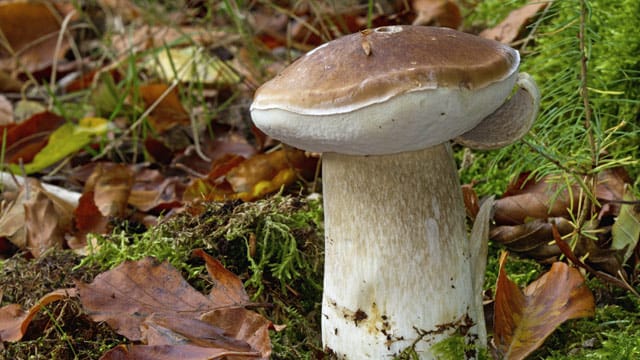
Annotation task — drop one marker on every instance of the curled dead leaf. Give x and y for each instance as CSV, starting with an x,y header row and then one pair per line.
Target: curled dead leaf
x,y
523,319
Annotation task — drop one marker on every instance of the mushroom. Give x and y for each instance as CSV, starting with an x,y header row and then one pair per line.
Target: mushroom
x,y
382,106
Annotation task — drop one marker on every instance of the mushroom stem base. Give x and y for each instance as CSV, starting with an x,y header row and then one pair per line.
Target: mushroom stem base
x,y
397,261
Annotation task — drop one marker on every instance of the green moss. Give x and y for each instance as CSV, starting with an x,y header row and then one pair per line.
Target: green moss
x,y
553,57
274,245
488,13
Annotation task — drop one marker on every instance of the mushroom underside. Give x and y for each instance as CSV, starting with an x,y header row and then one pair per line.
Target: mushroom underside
x,y
509,122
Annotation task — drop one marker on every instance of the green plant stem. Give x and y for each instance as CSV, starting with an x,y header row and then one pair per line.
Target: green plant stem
x,y
590,180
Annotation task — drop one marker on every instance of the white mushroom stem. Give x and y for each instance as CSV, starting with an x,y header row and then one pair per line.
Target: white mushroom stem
x,y
397,259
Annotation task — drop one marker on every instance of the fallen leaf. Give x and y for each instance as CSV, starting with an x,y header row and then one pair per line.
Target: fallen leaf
x,y
243,324
444,13
229,289
150,302
9,84
266,173
147,37
152,190
64,141
14,320
111,185
23,141
539,199
124,296
168,112
37,220
533,238
45,222
508,30
31,31
88,220
471,201
523,320
626,230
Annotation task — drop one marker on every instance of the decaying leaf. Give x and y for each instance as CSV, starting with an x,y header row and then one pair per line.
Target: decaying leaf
x,y
31,30
111,185
37,220
168,111
14,320
444,13
150,302
170,352
533,238
152,190
523,320
229,290
508,30
540,199
25,140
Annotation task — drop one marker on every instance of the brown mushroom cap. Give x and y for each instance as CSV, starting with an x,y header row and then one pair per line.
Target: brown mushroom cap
x,y
425,85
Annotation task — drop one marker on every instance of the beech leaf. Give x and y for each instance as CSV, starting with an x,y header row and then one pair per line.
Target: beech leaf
x,y
523,320
150,302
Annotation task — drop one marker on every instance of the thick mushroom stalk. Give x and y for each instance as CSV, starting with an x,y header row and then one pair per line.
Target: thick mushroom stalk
x,y
397,257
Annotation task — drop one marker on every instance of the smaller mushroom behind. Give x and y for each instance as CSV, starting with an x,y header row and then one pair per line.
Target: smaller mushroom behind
x,y
382,106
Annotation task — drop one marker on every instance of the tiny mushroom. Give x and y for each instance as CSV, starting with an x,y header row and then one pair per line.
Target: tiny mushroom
x,y
382,105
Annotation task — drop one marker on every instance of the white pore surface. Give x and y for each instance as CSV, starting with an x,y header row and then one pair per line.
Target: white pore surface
x,y
407,122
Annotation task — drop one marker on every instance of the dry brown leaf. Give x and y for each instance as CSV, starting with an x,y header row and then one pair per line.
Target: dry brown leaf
x,y
169,112
508,30
152,190
150,302
523,320
231,143
243,324
88,220
37,220
45,222
124,296
471,201
533,238
31,29
25,140
540,199
444,13
229,290
14,320
111,185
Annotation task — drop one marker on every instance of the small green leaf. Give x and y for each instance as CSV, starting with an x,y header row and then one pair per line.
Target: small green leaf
x,y
64,141
626,229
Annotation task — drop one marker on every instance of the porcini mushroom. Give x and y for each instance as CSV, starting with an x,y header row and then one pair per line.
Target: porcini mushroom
x,y
383,105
